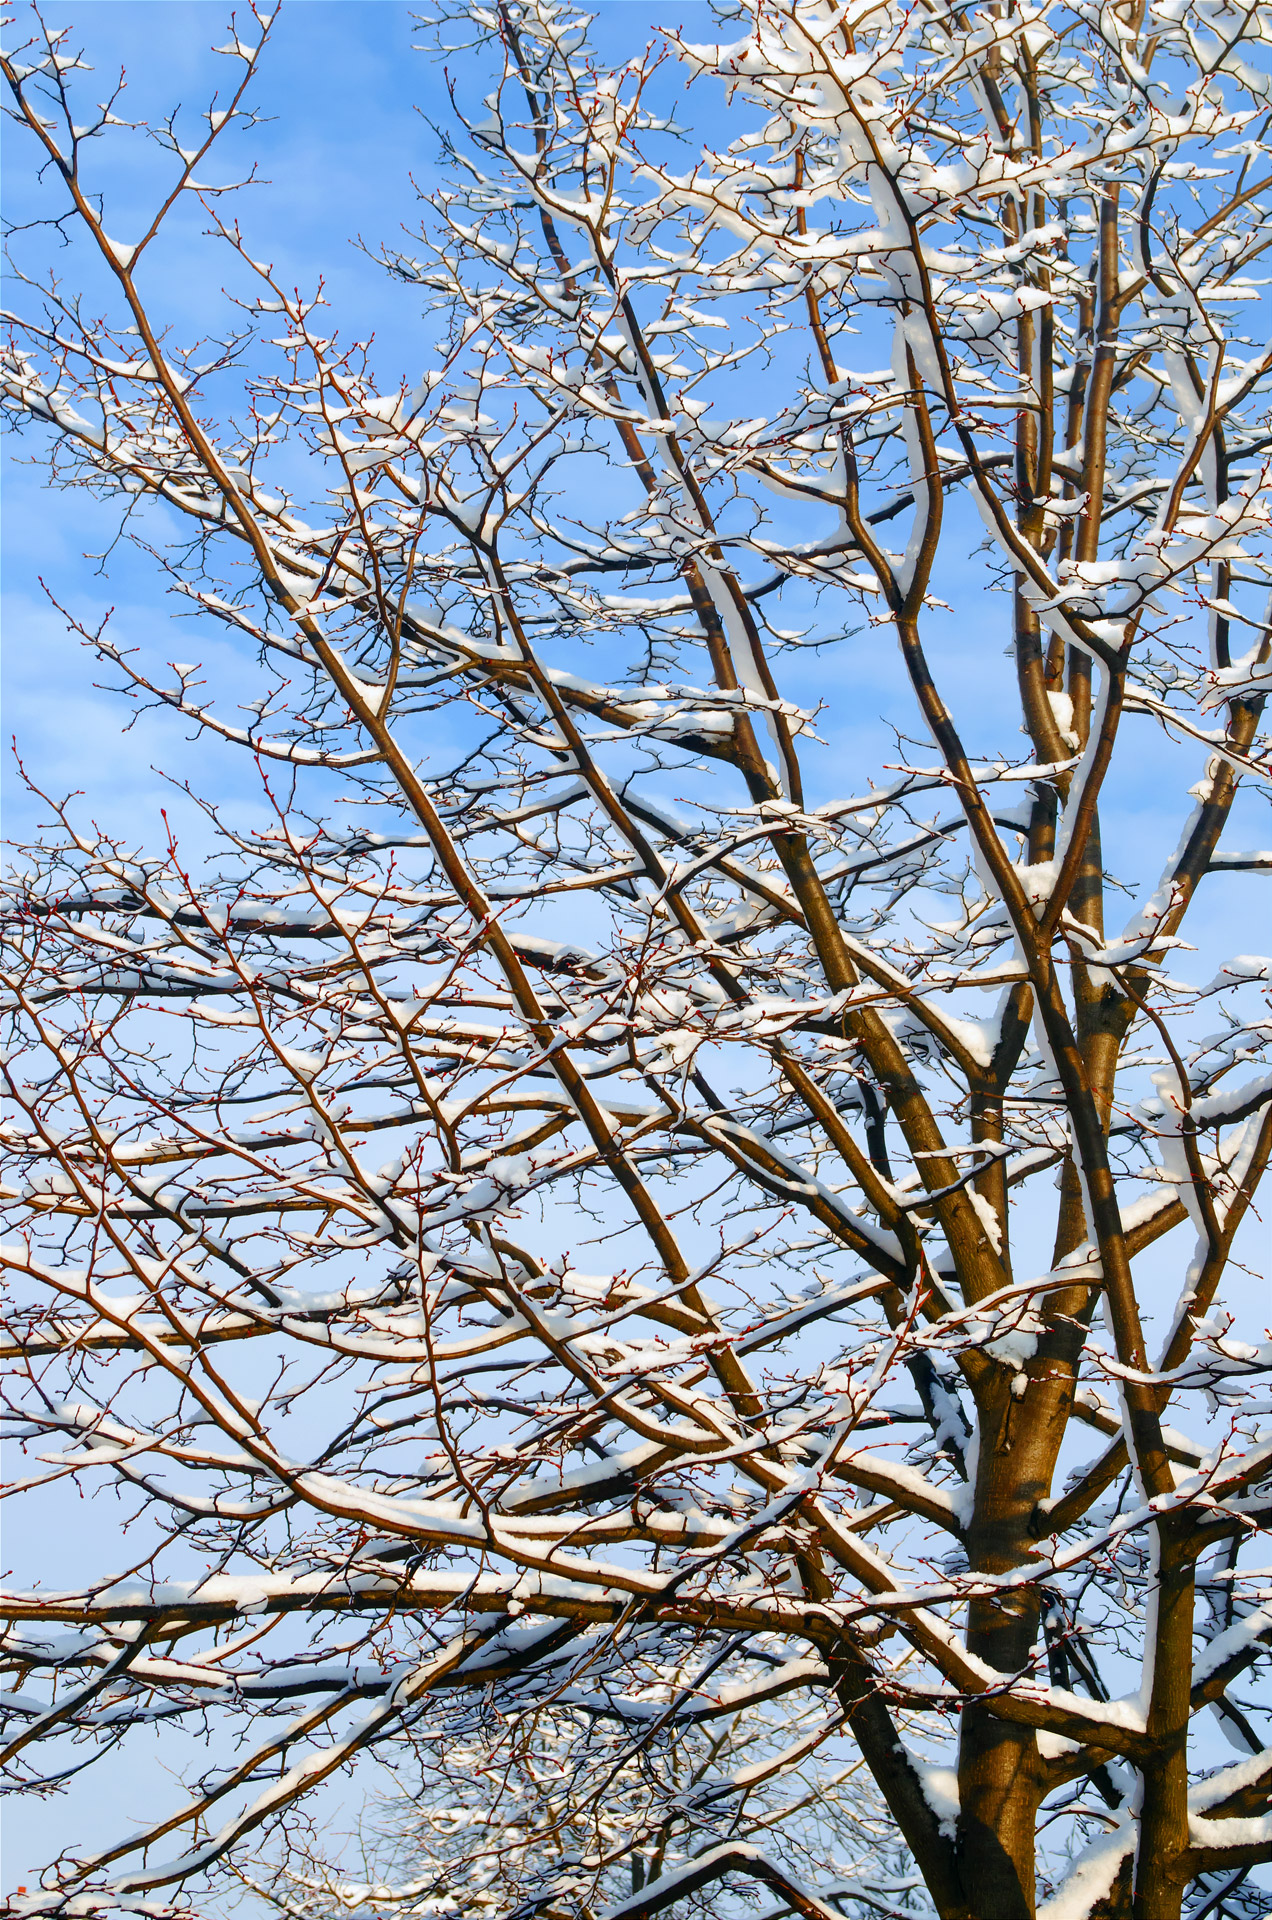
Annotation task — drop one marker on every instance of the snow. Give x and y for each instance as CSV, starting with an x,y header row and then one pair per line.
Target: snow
x,y
707,1866
1232,1642
474,944
303,1065
940,1789
1091,1877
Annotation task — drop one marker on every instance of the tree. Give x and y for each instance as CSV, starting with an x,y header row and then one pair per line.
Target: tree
x,y
546,894
494,1813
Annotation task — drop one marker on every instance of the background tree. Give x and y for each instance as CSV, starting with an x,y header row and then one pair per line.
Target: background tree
x,y
547,944
708,1817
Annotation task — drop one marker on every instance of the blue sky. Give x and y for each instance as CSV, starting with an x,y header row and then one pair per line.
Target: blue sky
x,y
344,151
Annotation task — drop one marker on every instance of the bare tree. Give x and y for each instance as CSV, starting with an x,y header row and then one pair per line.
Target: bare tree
x,y
553,943
491,1815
